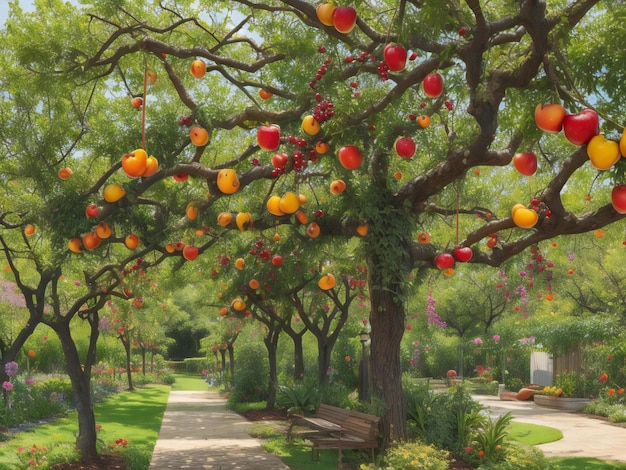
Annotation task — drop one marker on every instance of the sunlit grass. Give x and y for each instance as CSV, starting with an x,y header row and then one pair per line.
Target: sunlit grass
x,y
585,463
133,416
191,382
533,434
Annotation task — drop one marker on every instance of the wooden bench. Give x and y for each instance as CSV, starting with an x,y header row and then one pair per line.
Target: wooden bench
x,y
337,428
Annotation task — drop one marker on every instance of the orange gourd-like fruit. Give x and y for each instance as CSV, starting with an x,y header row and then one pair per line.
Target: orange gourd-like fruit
x,y
192,210
289,203
243,220
223,312
423,121
224,218
134,163
198,68
327,282
254,284
170,248
227,181
302,217
310,125
113,192
273,206
74,245
103,230
313,230
152,165
91,241
29,230
238,304
362,229
136,102
131,241
324,12
337,186
199,136
240,263
423,238
265,95
65,173
321,147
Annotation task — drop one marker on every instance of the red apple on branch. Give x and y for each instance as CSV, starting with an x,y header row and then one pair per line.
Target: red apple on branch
x,y
549,118
92,211
279,160
395,57
350,157
525,163
580,128
433,85
444,261
618,198
268,137
405,147
463,254
344,19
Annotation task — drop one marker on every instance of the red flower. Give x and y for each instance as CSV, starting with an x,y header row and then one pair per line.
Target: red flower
x,y
481,453
604,377
611,391
620,391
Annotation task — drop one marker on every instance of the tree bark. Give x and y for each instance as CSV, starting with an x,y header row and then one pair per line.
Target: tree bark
x,y
129,374
298,358
80,378
271,344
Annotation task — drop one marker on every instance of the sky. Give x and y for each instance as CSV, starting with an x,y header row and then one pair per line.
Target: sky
x,y
26,5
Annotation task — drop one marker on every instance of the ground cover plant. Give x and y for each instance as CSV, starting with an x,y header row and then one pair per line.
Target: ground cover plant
x,y
128,423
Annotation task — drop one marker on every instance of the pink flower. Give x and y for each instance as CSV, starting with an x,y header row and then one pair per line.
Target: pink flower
x,y
478,341
496,338
8,386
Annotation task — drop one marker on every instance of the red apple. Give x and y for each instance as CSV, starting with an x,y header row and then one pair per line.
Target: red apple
x,y
525,163
395,57
279,160
405,147
444,261
549,118
268,137
92,211
618,198
433,85
350,157
277,260
463,254
580,128
190,252
344,19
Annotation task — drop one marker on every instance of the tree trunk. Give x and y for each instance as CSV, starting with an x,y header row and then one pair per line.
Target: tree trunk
x,y
271,344
80,378
298,358
387,318
143,359
129,373
324,351
231,360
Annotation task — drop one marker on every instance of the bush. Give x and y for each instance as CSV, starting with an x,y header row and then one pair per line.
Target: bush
x,y
166,378
517,457
514,384
195,365
251,374
413,456
177,366
302,399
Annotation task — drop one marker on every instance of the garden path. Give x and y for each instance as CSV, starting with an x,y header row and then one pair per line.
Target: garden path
x,y
199,432
583,436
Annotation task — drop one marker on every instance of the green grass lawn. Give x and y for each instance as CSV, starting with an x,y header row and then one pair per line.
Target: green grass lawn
x,y
133,416
192,382
585,463
533,434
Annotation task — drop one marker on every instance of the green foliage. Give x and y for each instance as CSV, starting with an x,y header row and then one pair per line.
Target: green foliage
x,y
519,457
303,399
577,384
196,365
514,384
251,374
412,456
491,438
560,337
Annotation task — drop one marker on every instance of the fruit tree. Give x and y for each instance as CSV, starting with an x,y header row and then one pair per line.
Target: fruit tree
x,y
294,97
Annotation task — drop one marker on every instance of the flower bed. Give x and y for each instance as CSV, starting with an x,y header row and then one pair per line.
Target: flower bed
x,y
562,403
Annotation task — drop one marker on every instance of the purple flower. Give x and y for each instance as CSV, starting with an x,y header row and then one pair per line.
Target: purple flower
x,y
8,386
496,338
478,341
29,382
10,368
571,256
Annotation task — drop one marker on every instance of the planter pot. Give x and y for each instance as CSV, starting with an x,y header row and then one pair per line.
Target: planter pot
x,y
561,403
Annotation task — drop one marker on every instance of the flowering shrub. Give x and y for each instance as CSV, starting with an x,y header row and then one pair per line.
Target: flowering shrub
x,y
33,457
414,456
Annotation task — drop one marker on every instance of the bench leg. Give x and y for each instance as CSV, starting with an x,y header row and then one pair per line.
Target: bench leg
x,y
315,453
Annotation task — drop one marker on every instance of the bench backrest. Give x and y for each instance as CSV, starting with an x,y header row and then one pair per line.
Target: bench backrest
x,y
356,423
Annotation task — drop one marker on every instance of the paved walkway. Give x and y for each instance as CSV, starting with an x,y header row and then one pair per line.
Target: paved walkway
x,y
582,436
198,432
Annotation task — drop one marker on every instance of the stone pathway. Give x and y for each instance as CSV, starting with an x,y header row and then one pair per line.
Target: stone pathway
x,y
198,432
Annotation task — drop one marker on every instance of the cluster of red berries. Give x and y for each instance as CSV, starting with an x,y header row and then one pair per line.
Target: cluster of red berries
x,y
324,110
185,120
540,207
383,71
258,250
322,70
224,260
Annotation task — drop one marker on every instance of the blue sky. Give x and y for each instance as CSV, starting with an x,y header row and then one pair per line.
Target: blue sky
x,y
4,8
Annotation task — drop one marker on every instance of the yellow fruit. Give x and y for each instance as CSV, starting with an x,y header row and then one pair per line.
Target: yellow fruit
x,y
602,152
192,210
326,282
362,229
276,237
243,221
74,245
525,218
310,125
273,206
227,181
113,192
224,218
239,263
238,304
289,203
622,144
